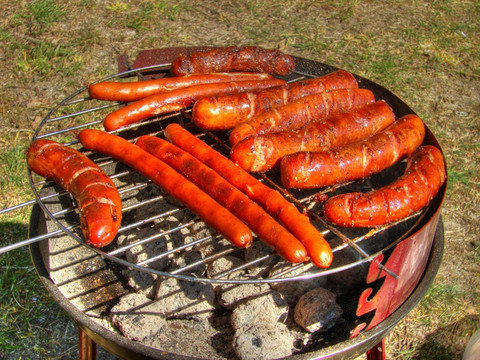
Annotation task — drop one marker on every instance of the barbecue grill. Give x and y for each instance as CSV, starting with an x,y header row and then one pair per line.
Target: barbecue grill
x,y
385,271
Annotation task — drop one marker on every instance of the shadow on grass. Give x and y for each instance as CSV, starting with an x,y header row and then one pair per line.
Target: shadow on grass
x,y
444,344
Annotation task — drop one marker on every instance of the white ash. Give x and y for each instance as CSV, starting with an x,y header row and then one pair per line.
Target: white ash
x,y
267,308
185,299
262,341
141,282
294,289
317,310
137,316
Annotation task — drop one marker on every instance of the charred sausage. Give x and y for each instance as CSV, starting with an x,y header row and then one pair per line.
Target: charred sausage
x,y
226,112
263,152
267,229
233,58
97,198
302,111
271,200
423,177
171,181
136,90
178,99
356,160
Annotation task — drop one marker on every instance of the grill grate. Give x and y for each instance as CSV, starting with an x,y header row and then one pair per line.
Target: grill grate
x,y
153,218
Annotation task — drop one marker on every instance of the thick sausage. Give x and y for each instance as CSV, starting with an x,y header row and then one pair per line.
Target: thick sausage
x,y
263,152
267,229
136,90
178,99
232,58
302,111
423,177
305,170
226,112
96,196
271,200
171,181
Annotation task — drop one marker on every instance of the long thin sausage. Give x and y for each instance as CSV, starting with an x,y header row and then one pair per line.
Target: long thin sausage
x,y
302,111
263,152
423,177
267,229
228,111
136,90
233,58
171,181
271,200
178,99
97,198
305,170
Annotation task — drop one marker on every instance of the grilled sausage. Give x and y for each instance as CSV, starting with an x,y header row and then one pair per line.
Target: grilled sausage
x,y
267,229
232,58
305,170
136,90
302,111
226,112
171,181
263,152
97,198
423,177
178,99
271,200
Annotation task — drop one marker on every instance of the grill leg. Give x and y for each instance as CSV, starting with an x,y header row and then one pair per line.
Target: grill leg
x,y
377,352
87,349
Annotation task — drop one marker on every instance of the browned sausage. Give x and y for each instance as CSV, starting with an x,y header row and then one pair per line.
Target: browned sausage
x,y
136,90
178,99
96,196
423,177
233,58
302,111
305,170
271,200
171,181
226,112
263,152
267,229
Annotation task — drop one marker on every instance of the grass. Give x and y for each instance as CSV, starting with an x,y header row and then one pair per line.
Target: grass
x,y
425,52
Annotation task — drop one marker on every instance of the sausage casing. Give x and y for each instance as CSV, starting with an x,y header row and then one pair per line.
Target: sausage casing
x,y
227,111
263,152
356,160
423,177
97,198
302,111
234,58
171,181
267,229
136,90
178,99
271,200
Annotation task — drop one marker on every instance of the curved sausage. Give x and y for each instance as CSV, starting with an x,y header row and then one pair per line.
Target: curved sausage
x,y
178,99
423,177
136,90
171,181
271,200
233,58
302,111
226,112
96,196
263,152
306,170
267,229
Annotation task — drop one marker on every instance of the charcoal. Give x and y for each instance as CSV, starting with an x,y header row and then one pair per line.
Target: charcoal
x,y
258,341
317,310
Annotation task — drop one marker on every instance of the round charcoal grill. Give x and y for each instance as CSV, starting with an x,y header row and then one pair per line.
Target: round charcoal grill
x,y
161,238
